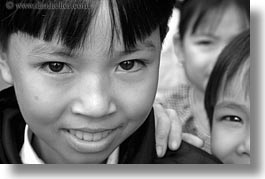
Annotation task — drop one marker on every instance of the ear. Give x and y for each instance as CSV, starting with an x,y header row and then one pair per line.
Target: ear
x,y
178,48
4,68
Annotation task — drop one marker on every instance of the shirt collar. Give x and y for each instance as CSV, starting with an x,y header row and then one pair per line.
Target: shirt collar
x,y
29,156
27,153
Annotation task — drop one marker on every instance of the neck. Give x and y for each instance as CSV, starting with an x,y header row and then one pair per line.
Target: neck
x,y
198,109
198,97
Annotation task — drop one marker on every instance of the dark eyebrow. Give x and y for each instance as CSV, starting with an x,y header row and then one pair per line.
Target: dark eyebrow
x,y
45,49
146,45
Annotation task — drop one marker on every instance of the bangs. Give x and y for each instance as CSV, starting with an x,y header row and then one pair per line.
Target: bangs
x,y
71,25
209,12
240,81
139,18
134,19
194,12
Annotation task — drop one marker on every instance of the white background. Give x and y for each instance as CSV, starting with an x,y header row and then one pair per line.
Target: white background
x,y
255,170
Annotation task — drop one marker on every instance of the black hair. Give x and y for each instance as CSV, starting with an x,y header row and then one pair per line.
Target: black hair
x,y
197,10
230,61
137,19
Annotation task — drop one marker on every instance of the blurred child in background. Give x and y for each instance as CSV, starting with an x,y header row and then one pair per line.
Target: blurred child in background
x,y
205,27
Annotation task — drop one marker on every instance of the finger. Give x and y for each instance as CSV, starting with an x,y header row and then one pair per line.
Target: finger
x,y
193,140
156,110
162,129
175,134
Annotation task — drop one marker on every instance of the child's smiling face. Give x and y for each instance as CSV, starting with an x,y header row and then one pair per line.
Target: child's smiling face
x,y
230,134
200,49
82,105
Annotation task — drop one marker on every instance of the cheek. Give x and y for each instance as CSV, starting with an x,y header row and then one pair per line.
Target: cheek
x,y
137,98
223,143
199,59
198,68
198,64
193,63
219,143
36,101
38,104
135,101
136,109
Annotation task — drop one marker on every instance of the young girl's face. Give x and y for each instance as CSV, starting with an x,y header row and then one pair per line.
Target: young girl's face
x,y
231,123
83,105
201,48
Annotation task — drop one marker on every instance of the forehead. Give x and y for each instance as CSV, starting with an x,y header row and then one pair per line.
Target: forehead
x,y
227,19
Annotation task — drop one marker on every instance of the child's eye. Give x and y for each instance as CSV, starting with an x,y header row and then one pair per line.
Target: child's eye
x,y
205,42
234,119
232,122
131,65
56,67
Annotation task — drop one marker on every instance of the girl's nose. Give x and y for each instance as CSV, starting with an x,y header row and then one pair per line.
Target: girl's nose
x,y
244,146
94,99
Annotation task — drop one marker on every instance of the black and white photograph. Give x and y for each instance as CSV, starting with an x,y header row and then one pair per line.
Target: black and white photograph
x,y
130,82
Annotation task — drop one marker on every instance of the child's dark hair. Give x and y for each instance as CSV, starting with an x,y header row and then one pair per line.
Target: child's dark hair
x,y
138,18
197,10
230,61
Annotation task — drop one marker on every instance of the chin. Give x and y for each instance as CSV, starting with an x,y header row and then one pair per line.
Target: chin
x,y
87,160
237,161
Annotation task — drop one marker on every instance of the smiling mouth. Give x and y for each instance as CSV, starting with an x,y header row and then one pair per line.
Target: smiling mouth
x,y
85,140
89,136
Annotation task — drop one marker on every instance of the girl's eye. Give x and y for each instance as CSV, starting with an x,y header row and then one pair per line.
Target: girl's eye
x,y
232,122
56,67
204,42
130,65
232,119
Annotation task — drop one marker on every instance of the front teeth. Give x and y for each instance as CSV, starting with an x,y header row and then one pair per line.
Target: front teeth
x,y
90,136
